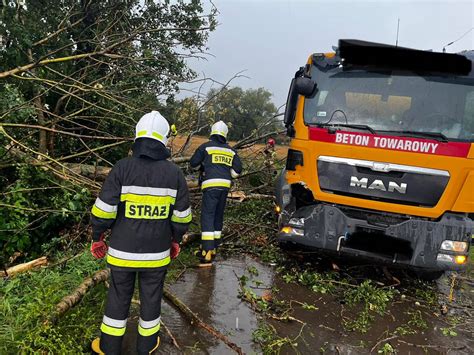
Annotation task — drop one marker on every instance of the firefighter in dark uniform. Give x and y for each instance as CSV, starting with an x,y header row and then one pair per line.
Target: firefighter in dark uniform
x,y
145,201
218,163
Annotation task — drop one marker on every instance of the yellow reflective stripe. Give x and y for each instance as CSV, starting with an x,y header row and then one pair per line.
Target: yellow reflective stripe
x,y
223,152
96,211
157,135
158,200
186,219
218,132
137,263
215,184
207,236
117,332
141,133
146,332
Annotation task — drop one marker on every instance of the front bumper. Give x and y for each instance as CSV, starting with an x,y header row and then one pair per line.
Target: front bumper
x,y
328,228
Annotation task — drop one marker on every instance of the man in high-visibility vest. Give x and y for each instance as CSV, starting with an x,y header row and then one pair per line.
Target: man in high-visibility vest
x,y
219,163
145,201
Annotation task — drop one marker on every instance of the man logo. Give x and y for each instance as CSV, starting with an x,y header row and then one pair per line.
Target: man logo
x,y
363,183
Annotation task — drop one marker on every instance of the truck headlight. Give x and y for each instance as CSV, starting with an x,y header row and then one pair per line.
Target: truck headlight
x,y
291,230
452,245
297,222
455,259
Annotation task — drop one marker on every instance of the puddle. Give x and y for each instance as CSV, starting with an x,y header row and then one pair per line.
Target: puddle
x,y
212,293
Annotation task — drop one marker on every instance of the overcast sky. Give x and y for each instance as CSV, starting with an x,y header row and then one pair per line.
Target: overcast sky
x,y
270,39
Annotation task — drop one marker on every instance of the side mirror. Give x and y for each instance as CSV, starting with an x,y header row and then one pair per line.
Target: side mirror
x,y
305,86
291,101
299,86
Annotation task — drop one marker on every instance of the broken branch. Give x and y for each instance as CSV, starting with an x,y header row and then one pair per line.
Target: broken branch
x,y
17,269
194,318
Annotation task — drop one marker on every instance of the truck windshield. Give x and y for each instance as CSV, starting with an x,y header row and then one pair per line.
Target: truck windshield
x,y
390,101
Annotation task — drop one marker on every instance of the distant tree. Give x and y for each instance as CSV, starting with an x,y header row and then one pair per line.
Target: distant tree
x,y
244,110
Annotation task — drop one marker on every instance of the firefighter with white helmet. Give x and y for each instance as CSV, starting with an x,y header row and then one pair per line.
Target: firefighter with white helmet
x,y
145,201
219,163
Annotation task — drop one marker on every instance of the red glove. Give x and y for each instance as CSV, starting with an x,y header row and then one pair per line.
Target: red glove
x,y
99,249
175,249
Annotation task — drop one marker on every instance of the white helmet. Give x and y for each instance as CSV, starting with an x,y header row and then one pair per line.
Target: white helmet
x,y
219,128
153,125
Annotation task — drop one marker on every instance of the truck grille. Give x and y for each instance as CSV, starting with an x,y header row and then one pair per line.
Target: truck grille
x,y
402,184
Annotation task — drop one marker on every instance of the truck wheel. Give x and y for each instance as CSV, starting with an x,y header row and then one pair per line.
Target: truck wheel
x,y
429,275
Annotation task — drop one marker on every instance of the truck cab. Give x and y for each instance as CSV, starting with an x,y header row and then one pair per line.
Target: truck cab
x,y
380,163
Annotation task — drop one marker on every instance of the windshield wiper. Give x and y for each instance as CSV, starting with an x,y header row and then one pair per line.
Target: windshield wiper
x,y
435,135
348,125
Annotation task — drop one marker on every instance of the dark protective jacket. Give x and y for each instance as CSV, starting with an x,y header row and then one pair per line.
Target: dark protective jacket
x,y
218,162
145,200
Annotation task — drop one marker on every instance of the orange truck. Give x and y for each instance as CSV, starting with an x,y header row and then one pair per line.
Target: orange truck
x,y
380,164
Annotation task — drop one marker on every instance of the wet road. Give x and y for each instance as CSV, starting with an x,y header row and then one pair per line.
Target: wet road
x,y
213,294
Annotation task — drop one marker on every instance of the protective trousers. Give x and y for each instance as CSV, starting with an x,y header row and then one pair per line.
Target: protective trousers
x,y
212,217
122,284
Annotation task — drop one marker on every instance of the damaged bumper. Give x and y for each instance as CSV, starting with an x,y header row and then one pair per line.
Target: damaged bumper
x,y
411,242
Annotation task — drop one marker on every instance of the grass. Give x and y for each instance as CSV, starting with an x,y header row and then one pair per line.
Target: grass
x,y
28,299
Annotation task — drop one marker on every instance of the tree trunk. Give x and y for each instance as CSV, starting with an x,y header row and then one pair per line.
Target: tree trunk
x,y
38,102
74,298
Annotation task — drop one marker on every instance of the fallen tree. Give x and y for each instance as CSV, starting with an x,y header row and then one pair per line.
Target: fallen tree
x,y
100,172
17,269
77,295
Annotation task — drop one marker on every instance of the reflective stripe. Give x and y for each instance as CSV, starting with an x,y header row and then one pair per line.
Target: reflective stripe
x,y
138,256
219,150
105,206
147,328
149,323
97,212
153,191
118,332
139,260
157,136
207,236
216,183
219,132
233,173
116,323
148,199
217,235
182,216
187,219
137,264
